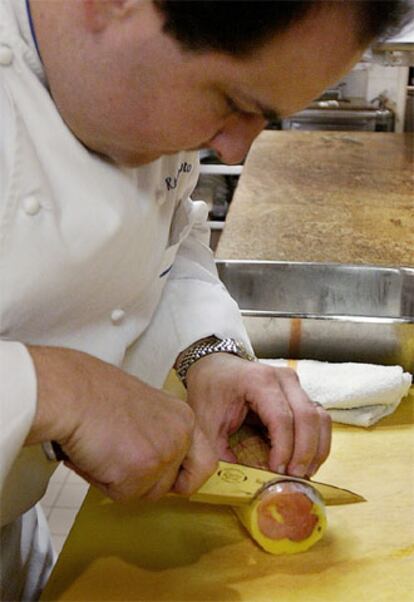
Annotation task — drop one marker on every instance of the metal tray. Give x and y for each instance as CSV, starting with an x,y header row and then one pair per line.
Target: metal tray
x,y
324,311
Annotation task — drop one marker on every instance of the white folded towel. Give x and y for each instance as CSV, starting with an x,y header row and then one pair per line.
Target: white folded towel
x,y
352,393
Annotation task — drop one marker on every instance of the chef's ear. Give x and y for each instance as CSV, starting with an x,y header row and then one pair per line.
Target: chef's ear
x,y
99,13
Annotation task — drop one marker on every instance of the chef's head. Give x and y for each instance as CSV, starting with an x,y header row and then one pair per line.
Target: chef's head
x,y
136,79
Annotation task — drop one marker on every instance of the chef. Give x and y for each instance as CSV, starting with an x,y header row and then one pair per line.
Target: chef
x,y
107,281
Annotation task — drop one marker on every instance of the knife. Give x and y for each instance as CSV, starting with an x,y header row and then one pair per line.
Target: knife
x,y
237,485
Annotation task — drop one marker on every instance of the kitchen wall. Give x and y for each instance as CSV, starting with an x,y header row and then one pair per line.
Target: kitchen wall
x,y
369,81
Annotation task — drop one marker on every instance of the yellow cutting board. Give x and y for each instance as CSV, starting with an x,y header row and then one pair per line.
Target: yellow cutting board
x,y
180,551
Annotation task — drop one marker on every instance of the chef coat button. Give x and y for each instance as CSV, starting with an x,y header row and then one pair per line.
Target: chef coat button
x,y
117,316
31,205
6,55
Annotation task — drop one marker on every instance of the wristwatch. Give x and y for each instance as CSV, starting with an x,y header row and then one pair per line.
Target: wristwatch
x,y
205,347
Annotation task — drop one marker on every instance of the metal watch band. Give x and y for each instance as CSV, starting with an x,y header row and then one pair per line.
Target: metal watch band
x,y
208,346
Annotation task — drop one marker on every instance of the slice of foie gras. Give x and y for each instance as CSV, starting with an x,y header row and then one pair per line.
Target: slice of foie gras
x,y
285,518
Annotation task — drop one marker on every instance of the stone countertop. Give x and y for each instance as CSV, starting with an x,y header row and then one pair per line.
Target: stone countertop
x,y
343,197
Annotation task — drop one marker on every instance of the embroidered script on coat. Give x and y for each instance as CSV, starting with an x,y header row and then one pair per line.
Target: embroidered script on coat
x,y
172,181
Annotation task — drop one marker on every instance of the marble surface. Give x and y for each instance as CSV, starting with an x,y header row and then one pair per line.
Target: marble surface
x,y
345,197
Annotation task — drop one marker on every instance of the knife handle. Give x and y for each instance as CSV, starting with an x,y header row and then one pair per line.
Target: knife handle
x,y
250,447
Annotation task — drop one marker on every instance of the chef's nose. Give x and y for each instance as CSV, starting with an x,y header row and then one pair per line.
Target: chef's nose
x,y
233,141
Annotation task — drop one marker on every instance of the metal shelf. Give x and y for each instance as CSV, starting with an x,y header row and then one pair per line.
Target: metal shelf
x,y
225,170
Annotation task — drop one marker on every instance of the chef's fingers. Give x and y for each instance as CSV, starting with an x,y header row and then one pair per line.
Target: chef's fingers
x,y
130,481
270,404
307,426
325,438
116,490
127,489
312,427
199,463
164,484
167,473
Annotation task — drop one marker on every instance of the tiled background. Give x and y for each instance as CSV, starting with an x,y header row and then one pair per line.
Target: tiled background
x,y
62,501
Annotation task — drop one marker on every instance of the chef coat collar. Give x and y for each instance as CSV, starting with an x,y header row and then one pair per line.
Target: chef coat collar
x,y
19,9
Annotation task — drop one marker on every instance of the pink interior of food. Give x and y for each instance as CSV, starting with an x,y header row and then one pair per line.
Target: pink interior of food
x,y
286,515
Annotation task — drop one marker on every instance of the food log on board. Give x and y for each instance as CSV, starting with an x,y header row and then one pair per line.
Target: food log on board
x,y
286,517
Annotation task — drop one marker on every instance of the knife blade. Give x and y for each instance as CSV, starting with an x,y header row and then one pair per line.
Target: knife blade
x,y
237,485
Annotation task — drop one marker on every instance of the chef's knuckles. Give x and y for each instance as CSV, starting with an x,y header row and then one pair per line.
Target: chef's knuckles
x,y
263,375
150,469
227,387
308,415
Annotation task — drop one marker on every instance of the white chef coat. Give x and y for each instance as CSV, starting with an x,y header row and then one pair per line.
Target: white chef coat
x,y
108,260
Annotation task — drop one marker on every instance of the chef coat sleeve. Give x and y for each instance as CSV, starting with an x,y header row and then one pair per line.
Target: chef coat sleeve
x,y
18,388
18,392
194,305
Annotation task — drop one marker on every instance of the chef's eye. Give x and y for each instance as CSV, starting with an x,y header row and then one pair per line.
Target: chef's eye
x,y
234,109
232,106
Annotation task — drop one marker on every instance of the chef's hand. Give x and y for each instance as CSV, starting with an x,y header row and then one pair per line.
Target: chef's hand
x,y
223,388
127,438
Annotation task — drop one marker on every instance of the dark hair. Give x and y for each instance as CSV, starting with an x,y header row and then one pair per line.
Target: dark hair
x,y
237,27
